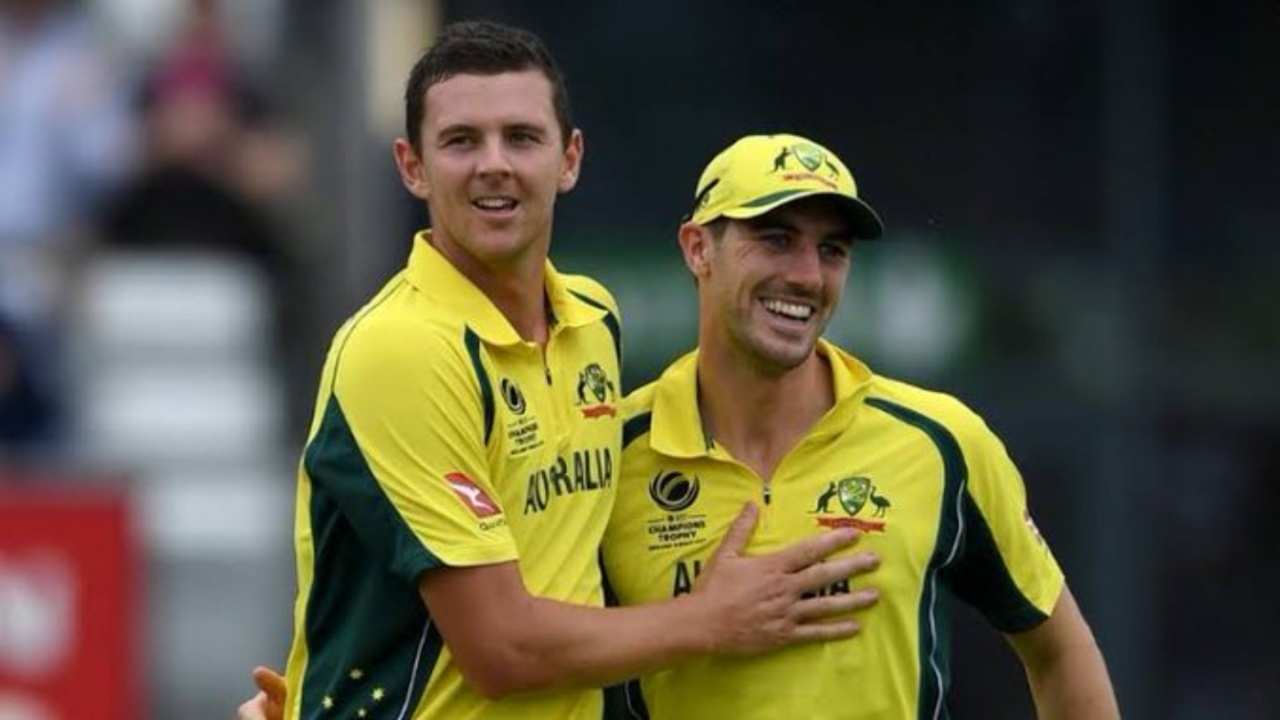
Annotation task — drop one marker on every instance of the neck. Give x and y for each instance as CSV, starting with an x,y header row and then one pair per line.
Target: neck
x,y
517,288
758,416
522,300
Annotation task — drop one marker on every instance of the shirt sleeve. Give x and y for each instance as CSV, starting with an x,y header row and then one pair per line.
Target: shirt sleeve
x,y
410,401
1005,570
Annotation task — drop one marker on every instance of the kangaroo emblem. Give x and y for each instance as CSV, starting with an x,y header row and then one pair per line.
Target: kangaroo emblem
x,y
780,162
824,500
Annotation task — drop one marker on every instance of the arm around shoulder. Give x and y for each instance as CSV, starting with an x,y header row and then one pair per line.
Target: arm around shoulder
x,y
506,640
1064,666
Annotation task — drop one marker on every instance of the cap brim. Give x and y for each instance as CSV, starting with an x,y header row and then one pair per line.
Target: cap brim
x,y
866,222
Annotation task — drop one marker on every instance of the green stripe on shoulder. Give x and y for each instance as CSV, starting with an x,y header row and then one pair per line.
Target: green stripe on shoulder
x,y
981,578
935,671
610,321
472,341
366,628
635,427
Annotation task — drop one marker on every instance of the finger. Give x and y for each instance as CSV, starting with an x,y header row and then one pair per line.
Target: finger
x,y
820,632
272,683
814,610
253,709
811,550
739,533
822,574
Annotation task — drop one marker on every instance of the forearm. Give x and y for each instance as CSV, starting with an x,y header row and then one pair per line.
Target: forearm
x,y
564,645
1074,686
506,640
1065,668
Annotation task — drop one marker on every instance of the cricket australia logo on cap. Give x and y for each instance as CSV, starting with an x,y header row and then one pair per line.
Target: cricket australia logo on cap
x,y
812,161
851,494
810,156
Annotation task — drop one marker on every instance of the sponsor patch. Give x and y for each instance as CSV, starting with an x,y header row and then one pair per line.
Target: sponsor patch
x,y
472,495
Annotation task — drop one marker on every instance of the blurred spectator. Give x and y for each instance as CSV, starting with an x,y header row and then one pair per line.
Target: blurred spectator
x,y
24,411
65,140
214,162
217,173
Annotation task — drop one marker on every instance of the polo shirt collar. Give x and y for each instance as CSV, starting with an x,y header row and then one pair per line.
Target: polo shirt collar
x,y
436,277
677,429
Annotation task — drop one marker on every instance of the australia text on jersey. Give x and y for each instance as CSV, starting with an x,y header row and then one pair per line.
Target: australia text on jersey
x,y
585,470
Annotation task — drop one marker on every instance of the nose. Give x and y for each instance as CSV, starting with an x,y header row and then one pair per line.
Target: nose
x,y
804,267
493,158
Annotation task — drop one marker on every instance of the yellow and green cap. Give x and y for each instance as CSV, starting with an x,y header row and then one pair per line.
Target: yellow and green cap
x,y
761,172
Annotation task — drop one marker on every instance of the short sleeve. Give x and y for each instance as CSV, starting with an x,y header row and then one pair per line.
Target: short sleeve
x,y
402,450
1006,570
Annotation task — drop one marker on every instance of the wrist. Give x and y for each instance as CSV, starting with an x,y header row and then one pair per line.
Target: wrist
x,y
697,624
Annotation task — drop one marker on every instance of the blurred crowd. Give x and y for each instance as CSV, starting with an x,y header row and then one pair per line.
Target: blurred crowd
x,y
105,151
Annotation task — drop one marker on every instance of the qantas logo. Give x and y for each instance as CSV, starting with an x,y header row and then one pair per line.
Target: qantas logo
x,y
471,494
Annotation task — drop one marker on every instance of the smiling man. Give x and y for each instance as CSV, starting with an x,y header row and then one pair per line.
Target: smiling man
x,y
767,411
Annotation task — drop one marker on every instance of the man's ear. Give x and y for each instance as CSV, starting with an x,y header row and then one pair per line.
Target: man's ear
x,y
696,245
412,171
573,154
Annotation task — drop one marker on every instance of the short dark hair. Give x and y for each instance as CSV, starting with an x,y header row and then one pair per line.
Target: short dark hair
x,y
717,227
481,47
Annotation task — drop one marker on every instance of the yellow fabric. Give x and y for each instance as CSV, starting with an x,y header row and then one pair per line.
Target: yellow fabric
x,y
761,172
441,438
917,471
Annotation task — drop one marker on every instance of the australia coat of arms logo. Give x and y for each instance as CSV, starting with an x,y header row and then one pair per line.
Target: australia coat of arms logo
x,y
850,496
596,392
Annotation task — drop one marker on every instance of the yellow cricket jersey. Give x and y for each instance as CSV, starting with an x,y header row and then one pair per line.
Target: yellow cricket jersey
x,y
929,485
440,438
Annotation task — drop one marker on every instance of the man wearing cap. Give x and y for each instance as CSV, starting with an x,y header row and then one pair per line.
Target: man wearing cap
x,y
766,411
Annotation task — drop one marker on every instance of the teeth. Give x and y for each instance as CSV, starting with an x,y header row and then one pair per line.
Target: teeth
x,y
791,310
494,203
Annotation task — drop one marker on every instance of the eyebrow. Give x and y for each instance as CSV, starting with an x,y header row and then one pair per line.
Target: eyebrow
x,y
464,127
527,127
767,223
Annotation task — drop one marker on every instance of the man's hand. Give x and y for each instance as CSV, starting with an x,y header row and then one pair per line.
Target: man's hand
x,y
268,704
757,602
